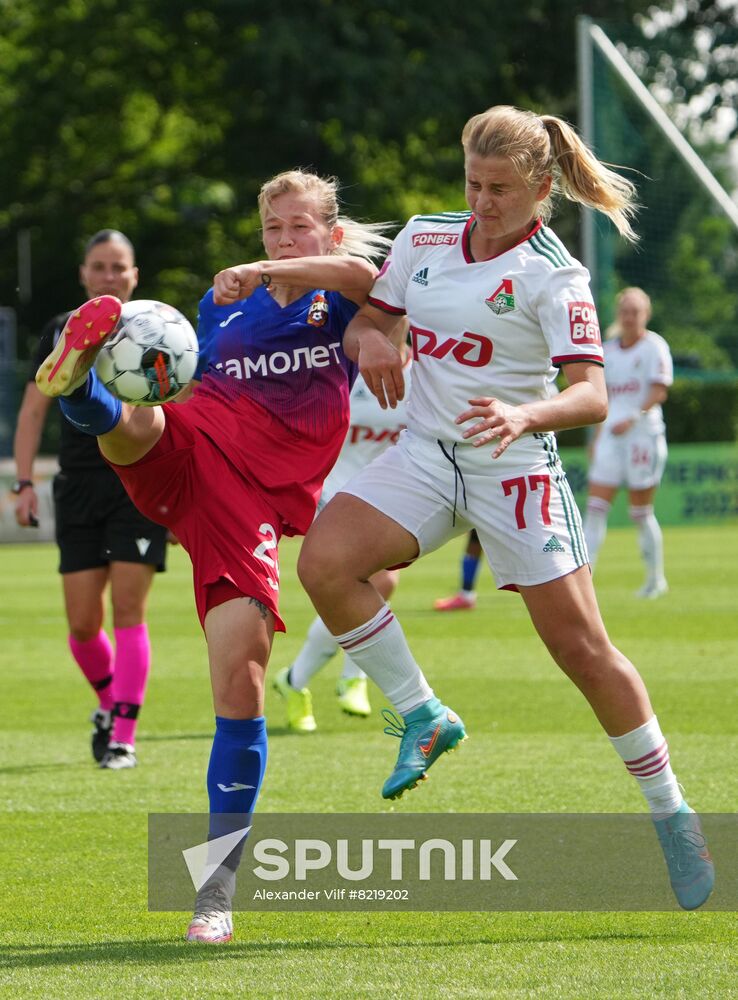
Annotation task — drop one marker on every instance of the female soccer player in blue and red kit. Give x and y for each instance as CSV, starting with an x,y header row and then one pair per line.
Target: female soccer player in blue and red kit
x,y
243,461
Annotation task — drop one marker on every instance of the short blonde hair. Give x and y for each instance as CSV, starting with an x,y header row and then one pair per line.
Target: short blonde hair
x,y
361,239
541,145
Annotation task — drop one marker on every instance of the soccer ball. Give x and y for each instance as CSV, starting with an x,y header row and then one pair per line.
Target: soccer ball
x,y
151,356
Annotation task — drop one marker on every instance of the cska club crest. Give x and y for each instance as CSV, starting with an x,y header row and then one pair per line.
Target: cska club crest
x,y
502,300
318,311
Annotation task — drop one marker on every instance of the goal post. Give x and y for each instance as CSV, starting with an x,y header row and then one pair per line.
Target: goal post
x,y
687,256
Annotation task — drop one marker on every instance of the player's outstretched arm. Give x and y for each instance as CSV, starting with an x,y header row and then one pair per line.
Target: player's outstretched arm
x,y
349,275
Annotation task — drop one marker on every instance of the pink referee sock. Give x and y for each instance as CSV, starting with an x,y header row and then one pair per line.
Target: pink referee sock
x,y
132,663
95,660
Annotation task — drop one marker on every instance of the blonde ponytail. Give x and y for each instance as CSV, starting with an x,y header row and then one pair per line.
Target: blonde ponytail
x,y
548,145
583,178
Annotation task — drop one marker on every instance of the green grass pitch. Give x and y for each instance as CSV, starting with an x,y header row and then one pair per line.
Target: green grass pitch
x,y
73,869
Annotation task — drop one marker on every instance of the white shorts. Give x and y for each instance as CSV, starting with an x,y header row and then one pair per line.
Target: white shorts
x,y
635,460
325,497
520,504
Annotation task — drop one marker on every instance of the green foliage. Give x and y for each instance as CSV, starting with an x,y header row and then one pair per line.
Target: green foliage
x,y
693,51
163,118
113,127
699,408
687,256
702,410
701,307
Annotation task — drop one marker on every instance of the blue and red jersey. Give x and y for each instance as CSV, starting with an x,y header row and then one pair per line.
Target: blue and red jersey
x,y
274,395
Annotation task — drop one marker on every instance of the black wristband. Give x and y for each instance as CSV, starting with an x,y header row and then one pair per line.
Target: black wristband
x,y
20,484
266,280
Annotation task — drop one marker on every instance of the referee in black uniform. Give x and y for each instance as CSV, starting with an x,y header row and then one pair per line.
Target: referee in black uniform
x,y
104,543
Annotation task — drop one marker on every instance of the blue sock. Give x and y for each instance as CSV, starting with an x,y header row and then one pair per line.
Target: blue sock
x,y
238,758
91,408
469,567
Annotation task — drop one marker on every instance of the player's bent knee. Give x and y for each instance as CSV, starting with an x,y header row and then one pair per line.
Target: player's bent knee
x,y
317,567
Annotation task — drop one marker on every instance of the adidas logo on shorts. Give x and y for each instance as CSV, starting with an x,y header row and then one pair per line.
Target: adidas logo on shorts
x,y
553,545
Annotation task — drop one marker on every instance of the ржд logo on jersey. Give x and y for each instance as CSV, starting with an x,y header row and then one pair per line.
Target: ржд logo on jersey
x,y
473,350
583,323
502,300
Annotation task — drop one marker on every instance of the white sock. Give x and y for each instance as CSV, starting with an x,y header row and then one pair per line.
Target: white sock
x,y
595,526
319,647
351,671
646,756
651,542
379,647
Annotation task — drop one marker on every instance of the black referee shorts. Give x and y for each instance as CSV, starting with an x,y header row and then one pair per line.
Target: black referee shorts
x,y
96,523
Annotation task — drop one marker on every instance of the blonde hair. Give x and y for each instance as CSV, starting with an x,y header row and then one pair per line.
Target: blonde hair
x,y
613,329
541,145
361,239
637,292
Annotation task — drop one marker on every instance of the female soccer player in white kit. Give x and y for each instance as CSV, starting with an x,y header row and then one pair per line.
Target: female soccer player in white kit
x,y
496,306
630,447
372,431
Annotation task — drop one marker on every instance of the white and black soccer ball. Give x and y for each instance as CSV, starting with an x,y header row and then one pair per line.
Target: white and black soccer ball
x,y
151,356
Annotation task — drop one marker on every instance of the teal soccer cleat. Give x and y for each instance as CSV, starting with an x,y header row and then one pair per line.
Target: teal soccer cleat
x,y
691,870
426,733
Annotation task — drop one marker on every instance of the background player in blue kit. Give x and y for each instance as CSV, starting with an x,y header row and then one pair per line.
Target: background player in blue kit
x,y
105,545
242,461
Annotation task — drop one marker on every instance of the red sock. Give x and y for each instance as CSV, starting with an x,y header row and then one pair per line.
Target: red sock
x,y
95,659
132,662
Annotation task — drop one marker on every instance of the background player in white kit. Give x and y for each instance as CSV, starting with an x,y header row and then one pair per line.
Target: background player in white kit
x,y
630,447
496,305
372,431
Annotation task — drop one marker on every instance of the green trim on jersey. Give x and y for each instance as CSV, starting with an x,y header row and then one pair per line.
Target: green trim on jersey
x,y
548,245
571,511
549,236
444,217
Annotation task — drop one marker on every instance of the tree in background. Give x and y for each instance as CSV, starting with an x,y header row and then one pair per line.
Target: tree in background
x,y
687,257
692,63
162,118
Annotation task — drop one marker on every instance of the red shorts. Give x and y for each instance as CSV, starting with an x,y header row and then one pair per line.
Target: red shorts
x,y
228,527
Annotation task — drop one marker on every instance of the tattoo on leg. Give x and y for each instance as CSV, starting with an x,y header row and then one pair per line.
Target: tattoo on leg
x,y
263,609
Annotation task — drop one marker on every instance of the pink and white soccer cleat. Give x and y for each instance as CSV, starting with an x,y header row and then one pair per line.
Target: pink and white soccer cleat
x,y
212,922
459,602
66,368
